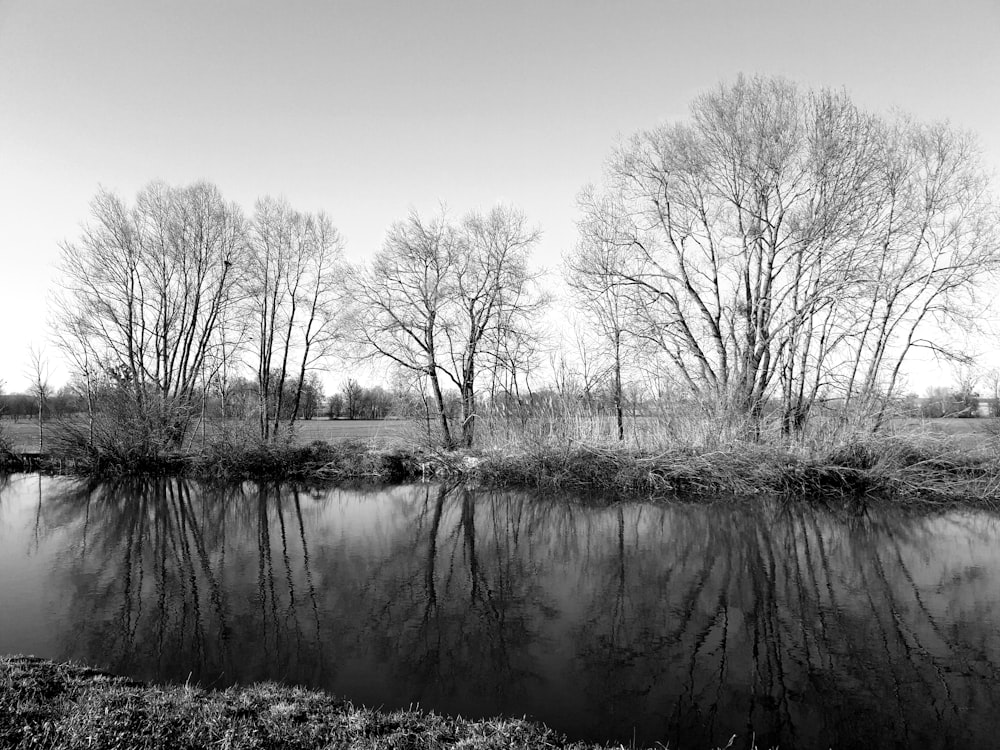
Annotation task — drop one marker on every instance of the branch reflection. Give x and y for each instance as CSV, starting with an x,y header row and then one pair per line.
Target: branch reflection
x,y
675,623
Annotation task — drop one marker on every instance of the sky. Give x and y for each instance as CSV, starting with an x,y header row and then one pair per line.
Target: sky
x,y
369,109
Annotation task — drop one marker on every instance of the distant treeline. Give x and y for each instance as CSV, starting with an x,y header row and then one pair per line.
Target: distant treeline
x,y
372,402
25,406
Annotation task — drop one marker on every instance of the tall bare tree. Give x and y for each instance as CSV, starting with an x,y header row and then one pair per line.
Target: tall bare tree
x,y
73,336
325,309
38,372
446,300
494,301
595,270
150,283
402,300
783,243
294,291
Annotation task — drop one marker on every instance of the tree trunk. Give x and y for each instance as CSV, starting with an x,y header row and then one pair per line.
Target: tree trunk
x,y
442,414
618,387
468,409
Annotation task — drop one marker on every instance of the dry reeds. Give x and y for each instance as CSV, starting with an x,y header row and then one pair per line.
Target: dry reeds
x,y
687,453
868,467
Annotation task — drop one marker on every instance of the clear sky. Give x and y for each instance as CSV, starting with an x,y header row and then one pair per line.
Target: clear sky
x,y
366,109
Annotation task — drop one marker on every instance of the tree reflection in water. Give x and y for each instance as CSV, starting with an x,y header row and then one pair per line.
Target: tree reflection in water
x,y
678,623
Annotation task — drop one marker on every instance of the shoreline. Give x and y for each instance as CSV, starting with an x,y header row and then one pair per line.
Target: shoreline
x,y
45,704
903,470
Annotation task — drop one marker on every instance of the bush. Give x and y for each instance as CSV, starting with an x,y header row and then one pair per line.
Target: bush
x,y
8,459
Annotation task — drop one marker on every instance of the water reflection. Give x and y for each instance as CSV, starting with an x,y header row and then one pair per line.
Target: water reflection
x,y
682,624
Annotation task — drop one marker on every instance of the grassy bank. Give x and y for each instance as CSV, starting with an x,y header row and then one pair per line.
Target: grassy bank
x,y
49,705
235,458
10,459
909,468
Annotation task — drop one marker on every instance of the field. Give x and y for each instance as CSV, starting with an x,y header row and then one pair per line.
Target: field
x,y
23,433
971,434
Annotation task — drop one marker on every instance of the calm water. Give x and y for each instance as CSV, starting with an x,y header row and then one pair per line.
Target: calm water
x,y
682,623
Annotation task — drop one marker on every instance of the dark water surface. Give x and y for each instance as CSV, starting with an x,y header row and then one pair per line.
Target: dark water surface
x,y
674,623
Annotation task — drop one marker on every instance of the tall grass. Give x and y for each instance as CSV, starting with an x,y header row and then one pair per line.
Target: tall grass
x,y
688,452
228,459
8,458
681,451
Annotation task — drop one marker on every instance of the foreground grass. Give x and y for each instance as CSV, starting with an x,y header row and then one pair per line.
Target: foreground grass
x,y
49,705
46,705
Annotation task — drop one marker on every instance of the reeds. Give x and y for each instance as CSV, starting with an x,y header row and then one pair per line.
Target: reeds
x,y
889,467
9,460
684,454
229,459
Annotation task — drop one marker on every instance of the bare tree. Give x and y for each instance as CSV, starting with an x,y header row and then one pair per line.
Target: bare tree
x,y
785,243
145,288
294,292
38,372
273,235
495,301
5,447
324,309
402,300
352,396
447,300
73,336
595,271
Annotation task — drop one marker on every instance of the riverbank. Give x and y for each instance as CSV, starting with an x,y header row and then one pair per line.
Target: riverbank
x,y
903,469
48,705
932,472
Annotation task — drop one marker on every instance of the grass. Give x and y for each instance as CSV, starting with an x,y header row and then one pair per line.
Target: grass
x,y
48,705
23,433
229,450
922,465
905,469
348,459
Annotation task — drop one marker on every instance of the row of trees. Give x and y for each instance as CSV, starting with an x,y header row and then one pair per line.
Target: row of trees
x,y
63,402
171,297
355,401
781,247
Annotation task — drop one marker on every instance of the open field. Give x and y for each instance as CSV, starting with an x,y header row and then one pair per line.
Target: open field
x,y
332,430
971,434
23,434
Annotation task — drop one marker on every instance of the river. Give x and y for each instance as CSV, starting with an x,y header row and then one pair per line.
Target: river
x,y
681,623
